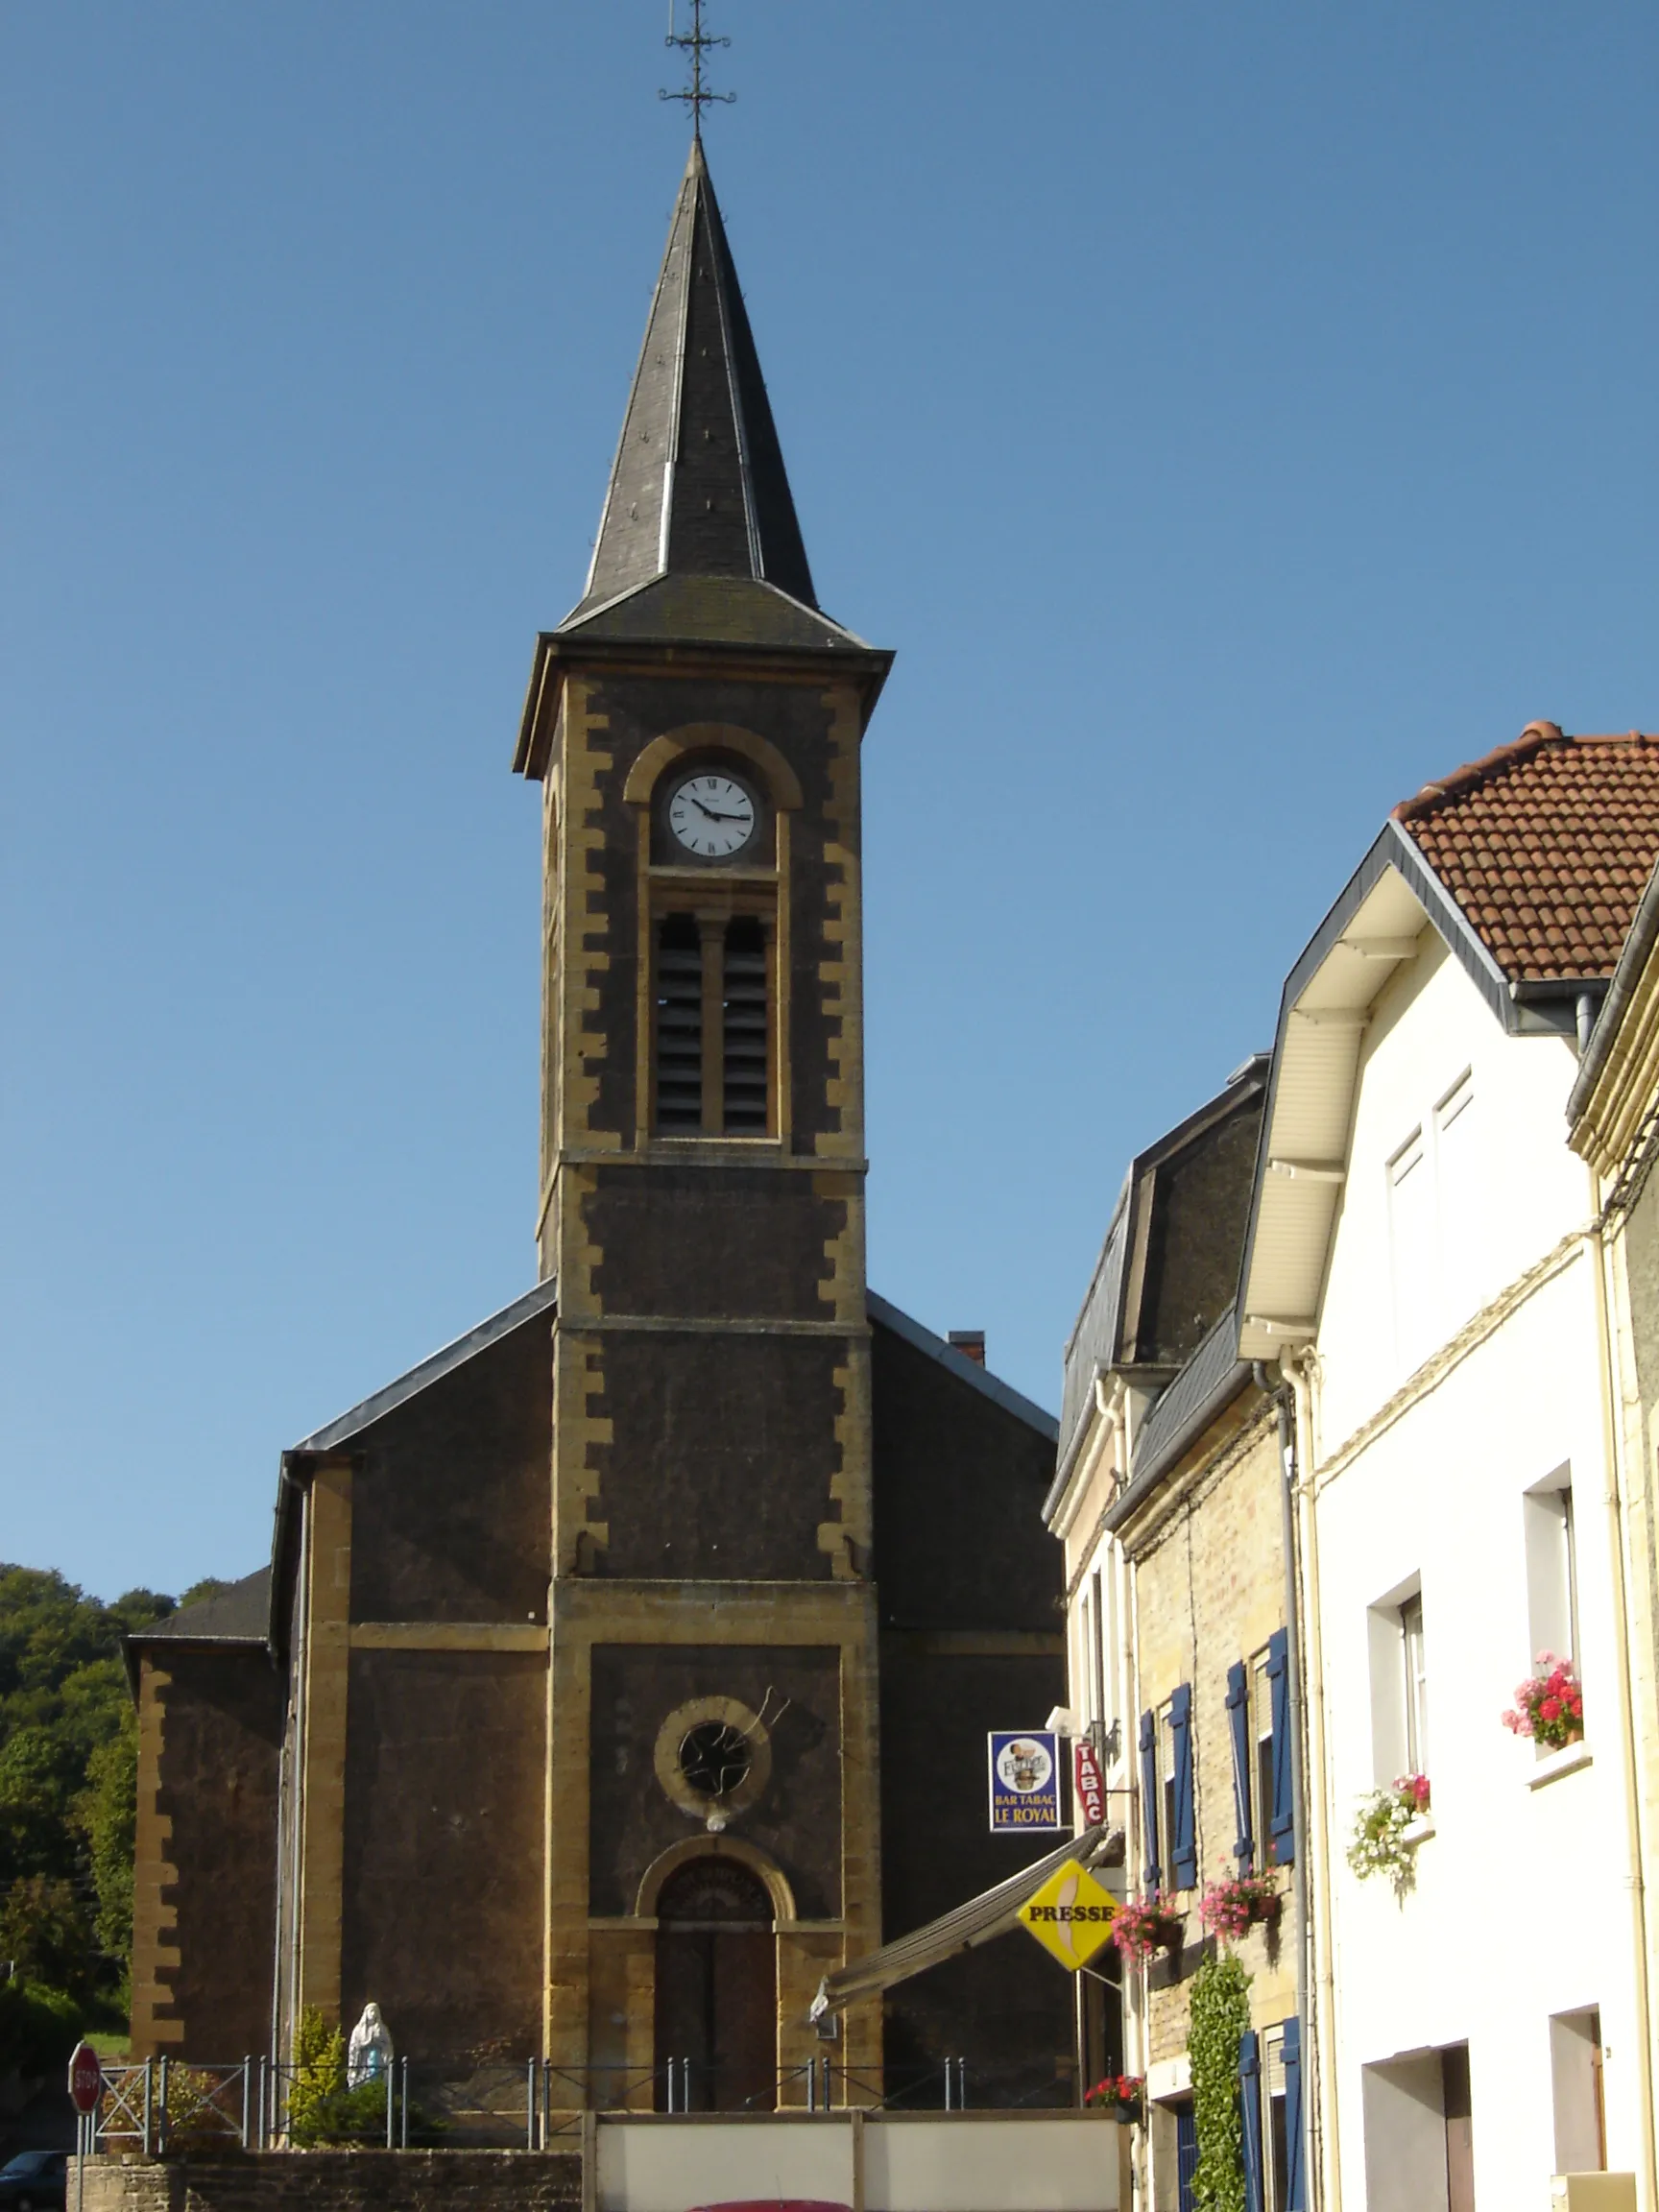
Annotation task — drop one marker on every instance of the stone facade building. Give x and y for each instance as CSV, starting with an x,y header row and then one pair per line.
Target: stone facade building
x,y
1170,1502
627,1665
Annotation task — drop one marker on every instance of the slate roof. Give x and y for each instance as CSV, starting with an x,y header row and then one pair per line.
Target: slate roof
x,y
698,487
541,1299
977,1378
1112,1328
239,1615
1546,845
1212,1379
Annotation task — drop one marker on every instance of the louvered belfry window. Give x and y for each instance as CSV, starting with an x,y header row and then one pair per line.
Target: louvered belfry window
x,y
680,1025
744,1027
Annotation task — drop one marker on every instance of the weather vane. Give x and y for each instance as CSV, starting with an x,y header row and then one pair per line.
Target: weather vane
x,y
696,95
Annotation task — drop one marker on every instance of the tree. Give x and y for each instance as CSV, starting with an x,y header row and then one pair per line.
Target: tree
x,y
47,1935
68,1765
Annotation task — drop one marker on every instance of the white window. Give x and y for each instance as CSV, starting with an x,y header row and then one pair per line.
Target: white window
x,y
1399,1685
1412,1250
1261,1757
1275,2137
1456,1187
1434,1227
1167,1795
1082,1699
1097,1648
1552,1568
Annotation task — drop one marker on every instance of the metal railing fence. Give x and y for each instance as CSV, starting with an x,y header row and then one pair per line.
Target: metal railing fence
x,y
161,2104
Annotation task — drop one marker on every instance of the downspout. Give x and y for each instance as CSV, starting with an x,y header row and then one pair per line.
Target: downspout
x,y
1321,2081
1628,1749
1283,1403
1139,2059
299,1660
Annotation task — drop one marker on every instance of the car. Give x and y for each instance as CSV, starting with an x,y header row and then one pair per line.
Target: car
x,y
34,2180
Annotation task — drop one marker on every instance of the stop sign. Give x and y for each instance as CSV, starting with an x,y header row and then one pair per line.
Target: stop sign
x,y
85,2078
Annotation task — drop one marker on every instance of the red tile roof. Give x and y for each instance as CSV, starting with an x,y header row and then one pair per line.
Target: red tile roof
x,y
1546,845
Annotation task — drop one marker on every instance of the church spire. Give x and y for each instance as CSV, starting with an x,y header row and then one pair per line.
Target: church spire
x,y
698,487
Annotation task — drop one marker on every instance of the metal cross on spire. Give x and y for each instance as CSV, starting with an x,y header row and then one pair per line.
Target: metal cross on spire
x,y
696,95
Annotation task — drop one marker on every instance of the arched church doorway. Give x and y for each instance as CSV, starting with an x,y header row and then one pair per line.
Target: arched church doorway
x,y
716,1988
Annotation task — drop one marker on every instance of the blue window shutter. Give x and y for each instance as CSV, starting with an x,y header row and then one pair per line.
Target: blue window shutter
x,y
1295,2185
1151,1873
1250,2115
1238,1724
1186,2158
1184,1845
1284,1815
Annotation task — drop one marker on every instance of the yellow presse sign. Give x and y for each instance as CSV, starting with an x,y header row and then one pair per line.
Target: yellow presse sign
x,y
1070,1915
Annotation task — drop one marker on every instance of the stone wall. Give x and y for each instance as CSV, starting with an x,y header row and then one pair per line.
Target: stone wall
x,y
336,2181
1210,1591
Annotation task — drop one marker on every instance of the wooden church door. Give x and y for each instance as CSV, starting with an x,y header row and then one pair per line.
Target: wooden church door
x,y
716,1990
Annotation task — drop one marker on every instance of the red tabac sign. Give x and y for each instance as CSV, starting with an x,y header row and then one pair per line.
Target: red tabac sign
x,y
1089,1783
85,2078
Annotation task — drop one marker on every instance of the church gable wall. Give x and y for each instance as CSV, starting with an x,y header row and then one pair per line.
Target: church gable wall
x,y
967,1583
452,1498
723,1452
959,1483
204,1879
796,1694
443,1849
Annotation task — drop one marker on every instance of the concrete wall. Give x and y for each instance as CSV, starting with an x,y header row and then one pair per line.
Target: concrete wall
x,y
337,2181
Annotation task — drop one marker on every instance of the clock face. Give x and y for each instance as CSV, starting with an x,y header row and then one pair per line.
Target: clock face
x,y
711,815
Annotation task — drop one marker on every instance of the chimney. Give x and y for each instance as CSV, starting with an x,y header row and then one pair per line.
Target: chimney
x,y
970,1342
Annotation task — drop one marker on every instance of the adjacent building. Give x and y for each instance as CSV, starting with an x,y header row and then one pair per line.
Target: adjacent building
x,y
1393,1445
1423,1263
1171,1502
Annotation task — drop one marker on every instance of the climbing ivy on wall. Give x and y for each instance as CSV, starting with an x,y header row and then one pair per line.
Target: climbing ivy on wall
x,y
1220,2014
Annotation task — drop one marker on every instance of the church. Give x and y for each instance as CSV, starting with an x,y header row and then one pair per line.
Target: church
x,y
624,1669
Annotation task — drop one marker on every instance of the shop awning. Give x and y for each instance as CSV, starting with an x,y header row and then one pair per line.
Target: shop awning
x,y
991,1914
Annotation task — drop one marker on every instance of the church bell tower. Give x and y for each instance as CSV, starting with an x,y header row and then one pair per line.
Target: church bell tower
x,y
696,726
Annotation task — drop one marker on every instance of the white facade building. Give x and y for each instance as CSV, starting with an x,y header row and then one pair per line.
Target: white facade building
x,y
1423,1263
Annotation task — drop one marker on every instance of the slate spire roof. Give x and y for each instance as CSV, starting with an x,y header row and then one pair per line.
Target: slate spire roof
x,y
698,489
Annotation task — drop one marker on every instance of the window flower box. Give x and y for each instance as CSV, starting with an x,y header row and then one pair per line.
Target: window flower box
x,y
1391,1824
1146,1924
1549,1705
1123,2095
1238,1903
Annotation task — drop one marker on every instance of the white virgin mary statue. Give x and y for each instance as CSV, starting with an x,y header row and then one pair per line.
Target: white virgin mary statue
x,y
368,2053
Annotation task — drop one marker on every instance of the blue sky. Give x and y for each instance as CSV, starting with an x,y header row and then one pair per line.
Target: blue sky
x,y
1234,418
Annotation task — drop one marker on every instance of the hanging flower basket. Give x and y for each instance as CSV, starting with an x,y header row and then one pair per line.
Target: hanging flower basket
x,y
1146,1924
1549,1705
1121,2095
1238,1903
1382,1841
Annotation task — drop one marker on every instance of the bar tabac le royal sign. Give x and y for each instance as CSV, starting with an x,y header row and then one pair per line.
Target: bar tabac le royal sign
x,y
1025,1783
